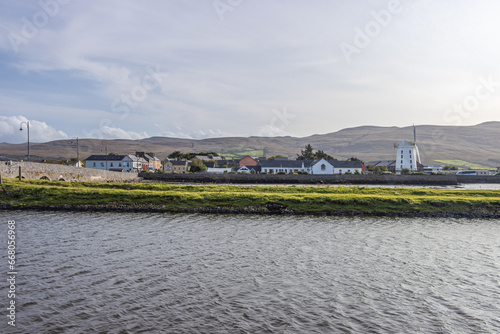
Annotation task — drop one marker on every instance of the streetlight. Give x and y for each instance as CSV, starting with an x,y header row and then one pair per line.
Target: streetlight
x,y
77,151
21,129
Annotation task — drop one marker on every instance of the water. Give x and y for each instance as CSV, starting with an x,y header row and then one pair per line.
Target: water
x,y
163,273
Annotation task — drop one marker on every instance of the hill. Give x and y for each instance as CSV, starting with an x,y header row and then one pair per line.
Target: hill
x,y
459,145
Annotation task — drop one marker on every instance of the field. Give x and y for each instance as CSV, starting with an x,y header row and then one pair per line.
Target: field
x,y
240,199
463,164
238,152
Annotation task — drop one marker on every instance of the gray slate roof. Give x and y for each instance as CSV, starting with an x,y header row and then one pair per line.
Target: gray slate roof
x,y
382,163
345,164
103,157
285,163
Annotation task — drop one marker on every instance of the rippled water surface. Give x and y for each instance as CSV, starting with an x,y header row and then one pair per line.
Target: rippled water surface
x,y
162,273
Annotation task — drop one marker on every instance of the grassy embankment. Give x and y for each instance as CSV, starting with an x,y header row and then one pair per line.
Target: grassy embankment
x,y
205,198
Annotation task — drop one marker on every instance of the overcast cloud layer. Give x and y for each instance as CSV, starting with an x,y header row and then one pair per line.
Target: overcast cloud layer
x,y
197,69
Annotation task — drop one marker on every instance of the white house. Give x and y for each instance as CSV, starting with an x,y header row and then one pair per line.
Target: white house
x,y
407,156
117,163
347,167
320,167
433,169
218,170
285,166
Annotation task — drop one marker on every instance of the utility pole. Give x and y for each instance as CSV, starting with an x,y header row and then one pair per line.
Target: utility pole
x,y
21,129
77,151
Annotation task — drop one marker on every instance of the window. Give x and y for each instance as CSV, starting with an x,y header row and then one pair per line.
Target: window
x,y
111,165
401,151
94,164
323,167
119,164
409,152
102,164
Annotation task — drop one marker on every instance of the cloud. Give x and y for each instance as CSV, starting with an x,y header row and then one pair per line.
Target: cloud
x,y
229,75
108,132
39,131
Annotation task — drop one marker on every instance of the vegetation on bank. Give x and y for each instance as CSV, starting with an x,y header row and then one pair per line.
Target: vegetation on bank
x,y
463,164
220,198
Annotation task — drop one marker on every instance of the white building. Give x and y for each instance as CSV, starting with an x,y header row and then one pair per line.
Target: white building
x,y
347,167
218,170
433,169
321,166
117,163
286,166
407,156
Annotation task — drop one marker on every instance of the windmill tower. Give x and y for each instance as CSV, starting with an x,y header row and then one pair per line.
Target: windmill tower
x,y
407,154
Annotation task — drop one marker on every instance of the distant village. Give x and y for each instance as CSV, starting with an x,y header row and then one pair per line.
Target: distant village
x,y
407,161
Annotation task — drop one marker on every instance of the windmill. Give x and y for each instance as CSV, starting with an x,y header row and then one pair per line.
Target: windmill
x,y
415,143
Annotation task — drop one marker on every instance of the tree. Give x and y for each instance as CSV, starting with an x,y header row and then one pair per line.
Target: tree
x,y
197,165
306,154
356,159
176,155
275,156
322,155
309,154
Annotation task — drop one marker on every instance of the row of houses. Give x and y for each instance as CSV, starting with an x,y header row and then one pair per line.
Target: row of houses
x,y
128,163
134,163
320,166
407,157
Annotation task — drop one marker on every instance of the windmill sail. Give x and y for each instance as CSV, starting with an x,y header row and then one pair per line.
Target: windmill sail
x,y
415,143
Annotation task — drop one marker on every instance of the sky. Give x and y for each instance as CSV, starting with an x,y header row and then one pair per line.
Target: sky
x,y
199,69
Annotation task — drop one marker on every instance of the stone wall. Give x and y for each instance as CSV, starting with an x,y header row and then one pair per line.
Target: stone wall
x,y
305,179
478,178
53,172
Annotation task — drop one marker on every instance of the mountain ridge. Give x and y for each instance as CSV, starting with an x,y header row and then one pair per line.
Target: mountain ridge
x,y
473,143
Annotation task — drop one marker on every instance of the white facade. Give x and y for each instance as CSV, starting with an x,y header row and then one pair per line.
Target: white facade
x,y
321,167
125,163
347,170
433,169
407,156
288,167
217,170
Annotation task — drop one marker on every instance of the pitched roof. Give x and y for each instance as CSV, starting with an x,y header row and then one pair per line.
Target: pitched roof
x,y
257,169
286,163
382,163
179,163
97,157
137,159
346,163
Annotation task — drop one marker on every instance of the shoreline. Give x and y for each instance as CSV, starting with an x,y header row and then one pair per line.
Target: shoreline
x,y
248,211
38,195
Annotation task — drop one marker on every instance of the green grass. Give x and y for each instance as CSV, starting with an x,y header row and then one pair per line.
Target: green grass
x,y
463,164
238,152
315,200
